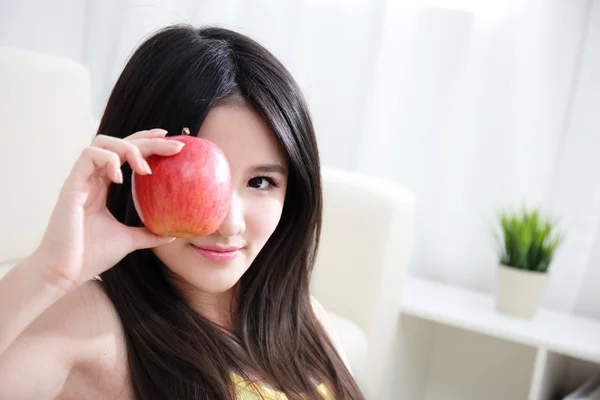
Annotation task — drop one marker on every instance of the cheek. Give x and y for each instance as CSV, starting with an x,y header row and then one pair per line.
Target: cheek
x,y
262,219
169,253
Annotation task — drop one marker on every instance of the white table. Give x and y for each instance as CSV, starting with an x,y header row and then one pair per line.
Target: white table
x,y
454,345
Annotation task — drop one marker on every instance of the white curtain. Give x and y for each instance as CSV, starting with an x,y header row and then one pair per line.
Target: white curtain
x,y
473,105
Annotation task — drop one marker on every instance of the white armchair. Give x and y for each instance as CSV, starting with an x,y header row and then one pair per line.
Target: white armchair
x,y
46,121
367,235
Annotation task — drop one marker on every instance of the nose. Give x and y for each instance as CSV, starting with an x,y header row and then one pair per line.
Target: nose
x,y
234,223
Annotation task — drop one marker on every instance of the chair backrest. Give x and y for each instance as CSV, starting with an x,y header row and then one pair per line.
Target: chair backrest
x,y
367,235
45,112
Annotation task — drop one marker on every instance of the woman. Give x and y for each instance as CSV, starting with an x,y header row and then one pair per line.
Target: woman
x,y
105,309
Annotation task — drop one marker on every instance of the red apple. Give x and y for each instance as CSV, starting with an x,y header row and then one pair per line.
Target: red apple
x,y
187,194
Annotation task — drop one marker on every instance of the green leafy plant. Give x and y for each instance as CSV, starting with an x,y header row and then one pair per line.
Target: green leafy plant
x,y
529,240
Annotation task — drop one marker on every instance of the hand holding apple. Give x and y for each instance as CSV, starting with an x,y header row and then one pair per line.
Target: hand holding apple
x,y
82,238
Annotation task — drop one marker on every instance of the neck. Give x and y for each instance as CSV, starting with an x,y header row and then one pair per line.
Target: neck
x,y
216,307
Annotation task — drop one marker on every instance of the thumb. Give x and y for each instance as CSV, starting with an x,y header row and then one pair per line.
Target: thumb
x,y
142,238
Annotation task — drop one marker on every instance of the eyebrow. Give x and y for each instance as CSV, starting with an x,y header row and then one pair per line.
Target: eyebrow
x,y
269,168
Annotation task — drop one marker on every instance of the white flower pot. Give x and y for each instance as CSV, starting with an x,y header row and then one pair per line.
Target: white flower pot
x,y
519,292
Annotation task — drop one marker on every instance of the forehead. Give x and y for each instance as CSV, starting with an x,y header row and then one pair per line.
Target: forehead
x,y
243,135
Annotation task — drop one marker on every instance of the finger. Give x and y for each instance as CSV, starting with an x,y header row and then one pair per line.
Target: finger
x,y
162,147
94,160
142,238
135,151
151,133
126,151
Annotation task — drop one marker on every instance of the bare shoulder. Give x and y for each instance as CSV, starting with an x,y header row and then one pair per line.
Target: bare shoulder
x,y
325,322
73,350
84,313
100,365
317,307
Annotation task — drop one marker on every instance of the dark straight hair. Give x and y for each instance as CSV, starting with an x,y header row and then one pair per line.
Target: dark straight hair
x,y
172,81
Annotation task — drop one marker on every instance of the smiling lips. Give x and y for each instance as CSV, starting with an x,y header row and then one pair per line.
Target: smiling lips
x,y
218,254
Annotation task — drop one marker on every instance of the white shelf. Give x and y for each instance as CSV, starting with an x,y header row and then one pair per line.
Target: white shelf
x,y
562,333
454,345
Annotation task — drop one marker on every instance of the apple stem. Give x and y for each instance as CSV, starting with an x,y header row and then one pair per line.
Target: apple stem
x,y
185,131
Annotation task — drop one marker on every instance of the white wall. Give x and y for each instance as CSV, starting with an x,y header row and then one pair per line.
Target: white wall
x,y
56,27
585,162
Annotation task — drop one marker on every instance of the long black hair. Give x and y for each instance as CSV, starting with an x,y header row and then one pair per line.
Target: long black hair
x,y
172,81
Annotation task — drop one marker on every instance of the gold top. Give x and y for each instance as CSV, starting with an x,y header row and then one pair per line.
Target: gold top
x,y
248,391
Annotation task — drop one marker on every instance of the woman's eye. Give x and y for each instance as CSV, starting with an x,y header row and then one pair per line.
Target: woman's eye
x,y
262,183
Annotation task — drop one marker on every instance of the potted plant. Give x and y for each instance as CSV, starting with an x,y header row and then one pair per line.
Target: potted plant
x,y
528,243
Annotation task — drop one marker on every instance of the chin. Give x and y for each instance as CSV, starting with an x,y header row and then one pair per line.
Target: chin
x,y
198,273
207,278
215,285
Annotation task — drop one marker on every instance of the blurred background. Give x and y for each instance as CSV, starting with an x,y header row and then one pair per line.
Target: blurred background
x,y
472,105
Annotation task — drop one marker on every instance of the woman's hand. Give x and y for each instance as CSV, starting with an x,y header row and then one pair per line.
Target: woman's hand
x,y
82,238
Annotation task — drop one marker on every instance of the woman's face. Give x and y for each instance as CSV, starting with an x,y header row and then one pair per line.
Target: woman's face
x,y
214,264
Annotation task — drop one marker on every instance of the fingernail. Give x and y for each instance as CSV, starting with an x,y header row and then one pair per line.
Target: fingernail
x,y
120,177
147,167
